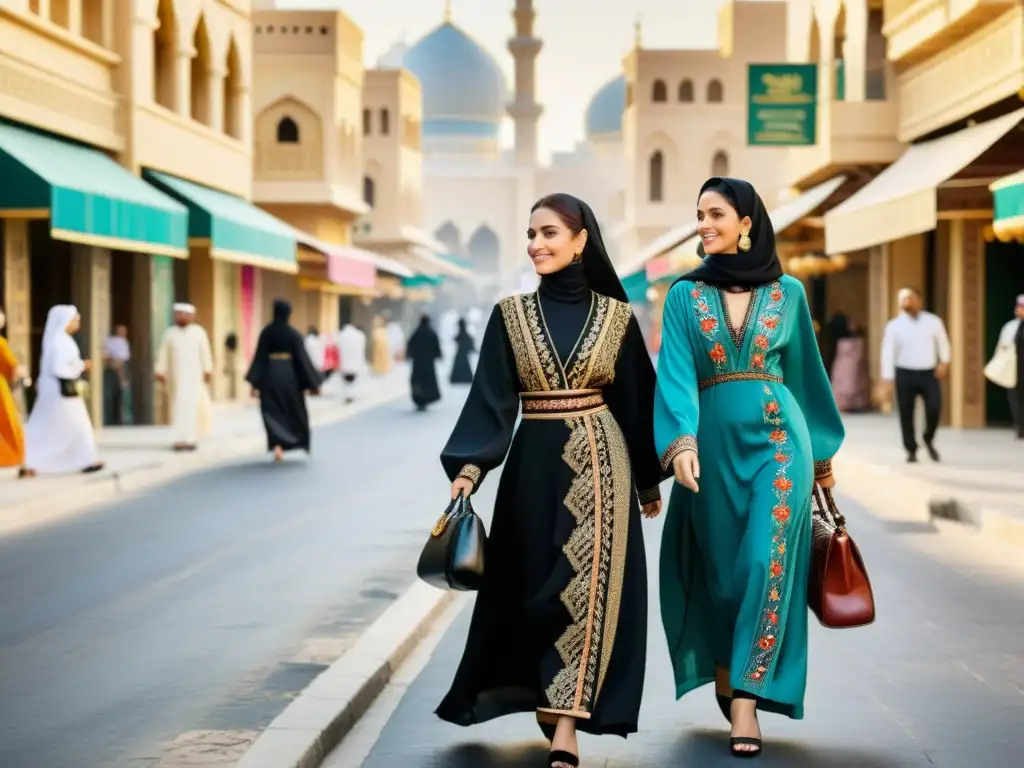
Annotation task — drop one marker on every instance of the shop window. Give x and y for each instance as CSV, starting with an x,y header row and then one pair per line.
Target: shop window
x,y
686,91
287,131
656,191
385,122
716,93
659,91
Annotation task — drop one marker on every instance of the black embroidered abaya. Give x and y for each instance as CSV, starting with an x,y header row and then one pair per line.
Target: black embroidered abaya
x,y
282,373
560,624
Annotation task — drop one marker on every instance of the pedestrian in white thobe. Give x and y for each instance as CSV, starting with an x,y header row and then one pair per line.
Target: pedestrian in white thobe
x,y
352,351
59,435
185,363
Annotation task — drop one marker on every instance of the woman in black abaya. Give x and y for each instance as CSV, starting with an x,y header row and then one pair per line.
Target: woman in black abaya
x,y
281,373
424,350
560,624
462,371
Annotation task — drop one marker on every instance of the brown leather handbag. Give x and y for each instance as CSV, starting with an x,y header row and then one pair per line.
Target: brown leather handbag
x,y
839,590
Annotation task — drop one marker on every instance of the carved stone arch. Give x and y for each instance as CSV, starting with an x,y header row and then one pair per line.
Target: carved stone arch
x,y
234,90
203,62
449,234
298,161
372,191
484,248
661,143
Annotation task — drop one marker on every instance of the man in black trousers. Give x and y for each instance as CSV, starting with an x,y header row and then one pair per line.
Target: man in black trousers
x,y
915,356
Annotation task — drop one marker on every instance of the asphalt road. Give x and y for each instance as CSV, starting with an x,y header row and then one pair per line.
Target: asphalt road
x,y
192,608
938,680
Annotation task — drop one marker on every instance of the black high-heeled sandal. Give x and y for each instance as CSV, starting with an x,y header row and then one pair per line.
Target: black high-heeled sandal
x,y
558,756
736,741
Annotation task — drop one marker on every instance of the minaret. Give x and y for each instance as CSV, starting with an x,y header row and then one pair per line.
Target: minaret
x,y
524,109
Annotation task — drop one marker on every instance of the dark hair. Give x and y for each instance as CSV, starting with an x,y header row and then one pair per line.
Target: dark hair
x,y
565,207
312,331
721,187
231,341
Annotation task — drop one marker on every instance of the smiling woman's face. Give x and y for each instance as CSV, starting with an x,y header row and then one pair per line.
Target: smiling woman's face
x,y
552,244
719,224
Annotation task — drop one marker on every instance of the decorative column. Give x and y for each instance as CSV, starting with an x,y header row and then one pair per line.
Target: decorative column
x,y
75,17
107,32
966,326
17,298
44,9
524,109
855,51
216,96
183,80
90,291
879,289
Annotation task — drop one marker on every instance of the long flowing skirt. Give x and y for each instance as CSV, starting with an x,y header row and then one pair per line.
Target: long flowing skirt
x,y
560,624
735,557
12,436
58,436
283,407
423,382
462,371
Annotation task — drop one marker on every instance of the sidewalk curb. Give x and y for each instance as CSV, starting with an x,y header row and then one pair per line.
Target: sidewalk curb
x,y
67,502
877,486
315,723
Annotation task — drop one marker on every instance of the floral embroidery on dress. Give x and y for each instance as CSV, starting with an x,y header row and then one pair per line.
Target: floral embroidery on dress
x,y
768,321
708,324
766,641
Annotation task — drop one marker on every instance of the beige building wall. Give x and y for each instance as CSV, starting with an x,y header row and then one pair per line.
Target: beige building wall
x,y
686,120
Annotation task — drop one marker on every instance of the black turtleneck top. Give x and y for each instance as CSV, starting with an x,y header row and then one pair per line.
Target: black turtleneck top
x,y
566,301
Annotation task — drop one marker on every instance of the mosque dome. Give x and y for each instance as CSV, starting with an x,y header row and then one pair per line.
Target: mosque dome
x,y
464,89
604,113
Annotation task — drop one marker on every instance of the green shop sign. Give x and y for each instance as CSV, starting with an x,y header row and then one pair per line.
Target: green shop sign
x,y
782,106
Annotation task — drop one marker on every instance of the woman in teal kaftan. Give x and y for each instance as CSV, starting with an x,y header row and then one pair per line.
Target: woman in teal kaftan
x,y
755,397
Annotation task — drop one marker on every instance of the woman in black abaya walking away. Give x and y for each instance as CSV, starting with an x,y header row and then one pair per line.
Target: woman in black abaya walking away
x,y
280,375
424,350
462,371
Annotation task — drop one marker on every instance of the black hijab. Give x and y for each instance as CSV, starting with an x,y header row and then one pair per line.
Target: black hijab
x,y
597,265
746,269
278,335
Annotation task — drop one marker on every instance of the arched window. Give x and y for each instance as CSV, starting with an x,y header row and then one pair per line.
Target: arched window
x,y
716,93
367,122
660,91
686,91
201,108
385,122
165,52
287,131
720,164
657,180
233,90
369,191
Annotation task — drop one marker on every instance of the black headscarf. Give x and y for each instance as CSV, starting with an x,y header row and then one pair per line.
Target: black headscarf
x,y
747,269
423,342
278,335
597,265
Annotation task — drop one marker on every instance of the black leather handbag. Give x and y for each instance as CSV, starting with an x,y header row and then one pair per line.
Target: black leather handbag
x,y
453,557
70,387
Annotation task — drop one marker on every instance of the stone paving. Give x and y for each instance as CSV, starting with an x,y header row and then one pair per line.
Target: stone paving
x,y
938,680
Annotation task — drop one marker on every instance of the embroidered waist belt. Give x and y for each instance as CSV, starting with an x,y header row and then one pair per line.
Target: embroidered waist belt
x,y
280,355
564,404
737,376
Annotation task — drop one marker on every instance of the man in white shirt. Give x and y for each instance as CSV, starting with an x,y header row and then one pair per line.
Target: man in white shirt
x,y
915,355
316,348
352,351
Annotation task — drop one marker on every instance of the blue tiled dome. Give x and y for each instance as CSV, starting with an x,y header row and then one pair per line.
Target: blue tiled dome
x,y
604,113
464,89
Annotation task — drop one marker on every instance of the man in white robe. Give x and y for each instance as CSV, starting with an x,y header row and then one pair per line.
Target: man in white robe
x,y
352,350
185,364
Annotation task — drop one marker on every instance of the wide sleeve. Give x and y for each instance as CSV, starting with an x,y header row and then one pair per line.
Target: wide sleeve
x,y
483,433
805,376
67,359
676,402
258,367
630,398
305,372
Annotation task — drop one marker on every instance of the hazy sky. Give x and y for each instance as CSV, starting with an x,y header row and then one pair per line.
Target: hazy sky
x,y
583,48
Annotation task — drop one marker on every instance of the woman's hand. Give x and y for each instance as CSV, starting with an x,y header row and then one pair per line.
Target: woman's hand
x,y
87,365
463,486
651,509
687,469
829,481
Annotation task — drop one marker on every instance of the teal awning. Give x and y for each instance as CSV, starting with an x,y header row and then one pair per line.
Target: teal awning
x,y
418,281
235,229
88,197
636,286
1008,206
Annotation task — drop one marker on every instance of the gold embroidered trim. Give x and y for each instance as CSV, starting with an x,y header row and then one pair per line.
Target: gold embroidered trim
x,y
564,415
542,354
822,469
722,378
596,365
599,499
471,472
280,355
547,404
527,363
677,446
650,494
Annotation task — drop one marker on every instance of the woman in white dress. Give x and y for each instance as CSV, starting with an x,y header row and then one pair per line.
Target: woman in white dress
x,y
59,436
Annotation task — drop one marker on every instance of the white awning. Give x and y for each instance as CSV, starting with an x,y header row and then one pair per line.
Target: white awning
x,y
428,262
783,217
658,247
902,200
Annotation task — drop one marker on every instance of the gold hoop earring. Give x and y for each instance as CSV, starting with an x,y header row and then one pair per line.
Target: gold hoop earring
x,y
744,243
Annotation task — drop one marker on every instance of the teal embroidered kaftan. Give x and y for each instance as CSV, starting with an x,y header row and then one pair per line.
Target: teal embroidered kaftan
x,y
735,556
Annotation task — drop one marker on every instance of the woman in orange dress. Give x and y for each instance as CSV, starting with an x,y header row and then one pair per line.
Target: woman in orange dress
x,y
12,439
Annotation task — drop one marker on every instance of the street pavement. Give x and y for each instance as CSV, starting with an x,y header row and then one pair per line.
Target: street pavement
x,y
178,623
938,680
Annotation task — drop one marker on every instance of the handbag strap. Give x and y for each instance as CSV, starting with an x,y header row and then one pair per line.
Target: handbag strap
x,y
825,507
456,506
